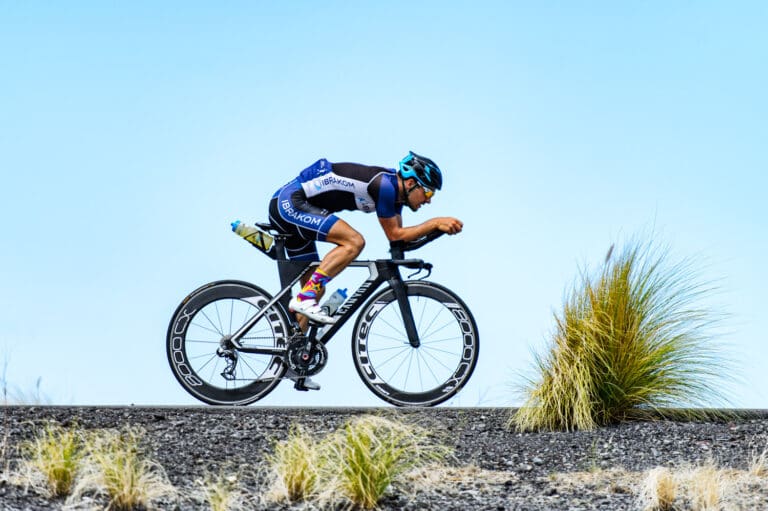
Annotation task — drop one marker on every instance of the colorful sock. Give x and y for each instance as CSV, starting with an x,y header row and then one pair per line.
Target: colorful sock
x,y
312,288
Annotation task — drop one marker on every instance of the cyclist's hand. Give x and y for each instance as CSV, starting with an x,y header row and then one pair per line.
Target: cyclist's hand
x,y
449,225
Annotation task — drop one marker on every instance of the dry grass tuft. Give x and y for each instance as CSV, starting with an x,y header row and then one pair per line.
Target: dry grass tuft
x,y
658,490
369,454
631,337
706,489
758,466
294,467
353,466
117,468
52,460
222,491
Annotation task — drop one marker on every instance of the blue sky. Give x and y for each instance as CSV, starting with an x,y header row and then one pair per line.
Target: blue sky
x,y
133,133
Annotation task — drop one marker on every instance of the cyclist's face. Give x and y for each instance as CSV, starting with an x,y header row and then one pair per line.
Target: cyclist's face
x,y
419,196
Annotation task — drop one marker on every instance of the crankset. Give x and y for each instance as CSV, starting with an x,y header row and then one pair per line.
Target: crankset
x,y
306,357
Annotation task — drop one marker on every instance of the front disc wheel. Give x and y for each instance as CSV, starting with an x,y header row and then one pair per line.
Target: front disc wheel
x,y
426,375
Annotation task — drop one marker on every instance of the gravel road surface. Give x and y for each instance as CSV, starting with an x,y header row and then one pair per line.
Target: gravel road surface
x,y
493,467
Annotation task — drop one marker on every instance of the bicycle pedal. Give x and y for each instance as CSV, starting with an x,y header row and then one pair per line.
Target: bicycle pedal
x,y
305,384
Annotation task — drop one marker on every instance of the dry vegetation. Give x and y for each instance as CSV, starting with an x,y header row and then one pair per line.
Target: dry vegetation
x,y
68,462
696,488
52,460
355,466
632,336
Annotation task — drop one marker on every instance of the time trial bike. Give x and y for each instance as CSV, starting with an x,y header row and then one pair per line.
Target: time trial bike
x,y
415,343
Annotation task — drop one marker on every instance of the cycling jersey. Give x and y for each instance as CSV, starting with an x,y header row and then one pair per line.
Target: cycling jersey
x,y
305,206
351,186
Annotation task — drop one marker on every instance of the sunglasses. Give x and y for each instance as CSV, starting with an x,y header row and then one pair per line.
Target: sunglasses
x,y
428,192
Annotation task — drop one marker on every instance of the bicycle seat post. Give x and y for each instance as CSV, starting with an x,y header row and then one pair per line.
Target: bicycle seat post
x,y
280,248
288,271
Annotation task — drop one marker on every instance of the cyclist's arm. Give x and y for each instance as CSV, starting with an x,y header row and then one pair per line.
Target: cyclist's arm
x,y
393,227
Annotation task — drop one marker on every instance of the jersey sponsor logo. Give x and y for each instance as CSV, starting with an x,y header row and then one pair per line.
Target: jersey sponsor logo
x,y
365,204
298,216
332,182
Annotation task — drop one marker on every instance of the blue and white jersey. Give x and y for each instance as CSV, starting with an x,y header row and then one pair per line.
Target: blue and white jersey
x,y
351,186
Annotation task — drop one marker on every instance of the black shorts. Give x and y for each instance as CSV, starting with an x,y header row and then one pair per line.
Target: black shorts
x,y
291,213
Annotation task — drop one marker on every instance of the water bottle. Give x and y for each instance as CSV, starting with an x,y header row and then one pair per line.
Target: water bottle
x,y
253,235
332,304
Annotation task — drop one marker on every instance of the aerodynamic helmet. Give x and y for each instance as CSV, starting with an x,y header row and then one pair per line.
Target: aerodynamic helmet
x,y
423,170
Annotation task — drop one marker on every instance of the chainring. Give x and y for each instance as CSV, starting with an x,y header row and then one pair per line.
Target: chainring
x,y
305,357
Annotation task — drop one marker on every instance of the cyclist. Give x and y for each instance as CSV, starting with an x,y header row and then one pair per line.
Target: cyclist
x,y
305,208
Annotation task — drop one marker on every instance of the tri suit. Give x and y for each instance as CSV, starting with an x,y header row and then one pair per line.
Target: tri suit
x,y
304,207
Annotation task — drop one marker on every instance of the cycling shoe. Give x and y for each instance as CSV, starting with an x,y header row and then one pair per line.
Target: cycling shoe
x,y
305,384
310,309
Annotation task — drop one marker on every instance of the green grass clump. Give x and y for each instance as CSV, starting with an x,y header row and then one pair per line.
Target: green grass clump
x,y
630,337
371,453
116,467
352,466
294,466
53,458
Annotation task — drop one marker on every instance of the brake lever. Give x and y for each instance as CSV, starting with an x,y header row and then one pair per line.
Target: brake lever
x,y
426,267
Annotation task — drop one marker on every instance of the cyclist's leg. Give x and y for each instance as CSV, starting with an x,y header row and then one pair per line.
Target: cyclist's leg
x,y
292,213
349,245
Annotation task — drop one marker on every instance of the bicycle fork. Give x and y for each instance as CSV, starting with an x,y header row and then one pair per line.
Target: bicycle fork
x,y
401,294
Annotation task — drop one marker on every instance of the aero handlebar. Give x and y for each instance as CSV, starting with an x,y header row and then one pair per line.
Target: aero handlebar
x,y
398,247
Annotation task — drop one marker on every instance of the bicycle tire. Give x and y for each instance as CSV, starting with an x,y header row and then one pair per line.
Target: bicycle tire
x,y
443,363
196,329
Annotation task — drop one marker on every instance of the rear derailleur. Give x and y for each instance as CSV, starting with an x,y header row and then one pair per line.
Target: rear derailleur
x,y
227,352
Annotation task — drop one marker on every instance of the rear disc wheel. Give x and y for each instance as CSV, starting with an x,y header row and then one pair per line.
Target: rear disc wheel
x,y
202,359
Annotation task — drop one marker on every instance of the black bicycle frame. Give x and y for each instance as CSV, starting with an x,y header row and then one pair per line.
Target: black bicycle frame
x,y
380,271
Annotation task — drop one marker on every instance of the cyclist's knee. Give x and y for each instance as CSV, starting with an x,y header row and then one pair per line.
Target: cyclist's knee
x,y
358,243
348,238
354,244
